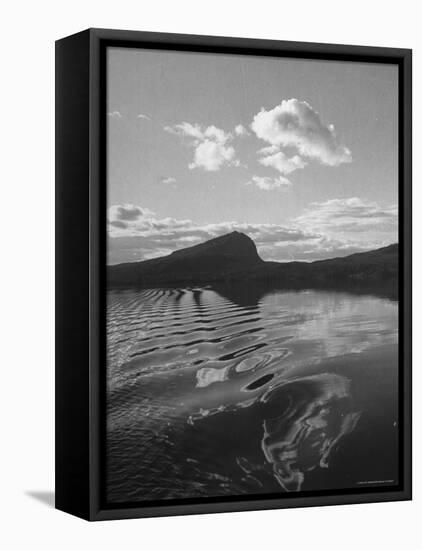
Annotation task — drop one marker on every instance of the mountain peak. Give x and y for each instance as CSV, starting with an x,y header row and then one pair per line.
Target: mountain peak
x,y
235,246
234,257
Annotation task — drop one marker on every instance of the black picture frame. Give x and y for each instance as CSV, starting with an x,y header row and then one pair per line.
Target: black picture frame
x,y
80,268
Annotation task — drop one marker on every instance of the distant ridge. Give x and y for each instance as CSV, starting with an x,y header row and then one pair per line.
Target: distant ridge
x,y
233,258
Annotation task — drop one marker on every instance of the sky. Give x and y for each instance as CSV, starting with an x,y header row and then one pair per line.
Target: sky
x,y
300,155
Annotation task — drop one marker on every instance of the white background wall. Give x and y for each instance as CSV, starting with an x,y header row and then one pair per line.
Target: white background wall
x,y
29,29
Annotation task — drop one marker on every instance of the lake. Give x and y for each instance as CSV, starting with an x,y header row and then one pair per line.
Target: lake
x,y
234,391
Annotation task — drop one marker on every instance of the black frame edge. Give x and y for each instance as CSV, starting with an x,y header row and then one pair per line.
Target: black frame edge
x,y
406,235
230,44
72,380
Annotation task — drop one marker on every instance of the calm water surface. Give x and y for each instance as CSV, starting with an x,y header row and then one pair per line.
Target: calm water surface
x,y
217,393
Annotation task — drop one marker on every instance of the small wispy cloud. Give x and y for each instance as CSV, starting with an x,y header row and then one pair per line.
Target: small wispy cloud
x,y
266,183
143,117
351,215
115,114
241,131
168,181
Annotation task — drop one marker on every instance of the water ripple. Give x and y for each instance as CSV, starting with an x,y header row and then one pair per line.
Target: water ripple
x,y
211,394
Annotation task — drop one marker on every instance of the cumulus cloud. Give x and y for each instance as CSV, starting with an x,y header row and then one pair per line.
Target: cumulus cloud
x,y
211,145
114,114
268,184
211,156
281,162
128,213
296,124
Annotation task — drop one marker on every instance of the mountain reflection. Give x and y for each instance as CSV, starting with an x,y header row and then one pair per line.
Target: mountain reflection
x,y
246,294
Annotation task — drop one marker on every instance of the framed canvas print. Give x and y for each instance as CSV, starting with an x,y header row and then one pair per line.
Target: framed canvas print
x,y
233,274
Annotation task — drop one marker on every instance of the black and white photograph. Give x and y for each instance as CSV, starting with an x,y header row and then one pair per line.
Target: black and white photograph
x,y
211,275
252,300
